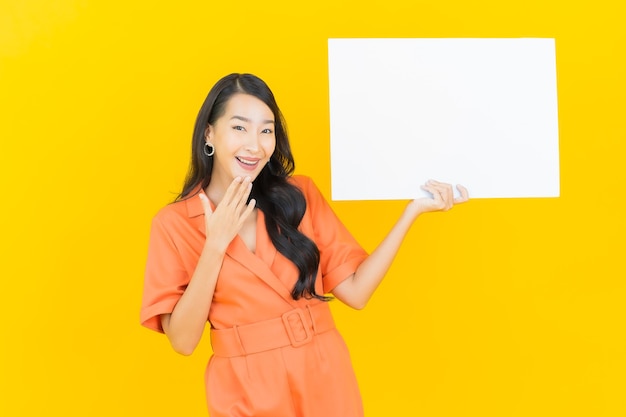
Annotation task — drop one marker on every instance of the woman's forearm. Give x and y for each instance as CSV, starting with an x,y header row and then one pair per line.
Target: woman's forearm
x,y
359,288
185,325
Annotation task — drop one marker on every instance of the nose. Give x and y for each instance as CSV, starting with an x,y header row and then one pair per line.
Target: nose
x,y
252,142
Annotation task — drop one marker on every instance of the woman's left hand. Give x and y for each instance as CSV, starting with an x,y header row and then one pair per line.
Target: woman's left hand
x,y
442,198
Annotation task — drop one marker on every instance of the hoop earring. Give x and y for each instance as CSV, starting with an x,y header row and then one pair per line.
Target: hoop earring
x,y
208,149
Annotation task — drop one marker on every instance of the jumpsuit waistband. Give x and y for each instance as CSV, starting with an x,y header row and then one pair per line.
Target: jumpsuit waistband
x,y
296,327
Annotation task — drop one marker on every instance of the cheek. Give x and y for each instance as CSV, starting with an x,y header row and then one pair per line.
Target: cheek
x,y
269,145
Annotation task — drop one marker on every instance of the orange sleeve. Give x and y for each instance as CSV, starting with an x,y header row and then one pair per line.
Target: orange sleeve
x,y
340,253
165,276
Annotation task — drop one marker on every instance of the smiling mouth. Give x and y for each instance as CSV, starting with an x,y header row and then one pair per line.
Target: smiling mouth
x,y
247,162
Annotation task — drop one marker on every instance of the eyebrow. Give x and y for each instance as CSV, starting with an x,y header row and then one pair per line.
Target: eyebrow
x,y
245,119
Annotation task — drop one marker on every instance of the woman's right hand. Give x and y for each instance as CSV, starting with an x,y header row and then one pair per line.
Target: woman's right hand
x,y
223,224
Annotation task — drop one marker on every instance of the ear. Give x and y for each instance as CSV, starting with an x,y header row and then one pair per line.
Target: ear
x,y
208,131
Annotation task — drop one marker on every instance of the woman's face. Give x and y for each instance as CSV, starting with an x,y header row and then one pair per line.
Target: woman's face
x,y
243,138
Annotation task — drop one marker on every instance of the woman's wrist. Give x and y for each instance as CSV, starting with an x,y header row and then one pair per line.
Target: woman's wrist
x,y
213,247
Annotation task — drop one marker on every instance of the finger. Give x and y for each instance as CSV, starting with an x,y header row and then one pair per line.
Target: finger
x,y
445,193
245,188
464,194
249,209
206,204
431,190
231,191
439,185
241,198
241,188
437,198
435,182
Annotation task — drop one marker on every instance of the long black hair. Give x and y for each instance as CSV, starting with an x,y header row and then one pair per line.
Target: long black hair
x,y
282,203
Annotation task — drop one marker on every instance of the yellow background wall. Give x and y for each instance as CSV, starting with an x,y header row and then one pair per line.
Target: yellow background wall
x,y
498,308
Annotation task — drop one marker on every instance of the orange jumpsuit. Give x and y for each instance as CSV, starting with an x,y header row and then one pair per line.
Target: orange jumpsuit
x,y
273,356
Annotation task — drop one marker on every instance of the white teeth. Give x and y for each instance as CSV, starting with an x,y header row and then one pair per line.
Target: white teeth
x,y
243,161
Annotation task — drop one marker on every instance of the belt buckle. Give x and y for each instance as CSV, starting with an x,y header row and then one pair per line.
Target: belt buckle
x,y
295,341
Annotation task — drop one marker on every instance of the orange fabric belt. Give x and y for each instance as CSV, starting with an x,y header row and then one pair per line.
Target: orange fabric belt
x,y
295,327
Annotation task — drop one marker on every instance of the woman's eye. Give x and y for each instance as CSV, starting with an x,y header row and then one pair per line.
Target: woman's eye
x,y
238,128
266,131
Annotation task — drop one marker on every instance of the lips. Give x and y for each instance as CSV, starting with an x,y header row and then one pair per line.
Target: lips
x,y
248,163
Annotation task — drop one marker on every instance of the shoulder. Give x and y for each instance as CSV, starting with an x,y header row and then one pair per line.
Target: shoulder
x,y
175,214
305,184
300,180
172,210
311,192
188,207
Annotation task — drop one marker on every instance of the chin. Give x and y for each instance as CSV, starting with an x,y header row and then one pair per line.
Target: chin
x,y
243,174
